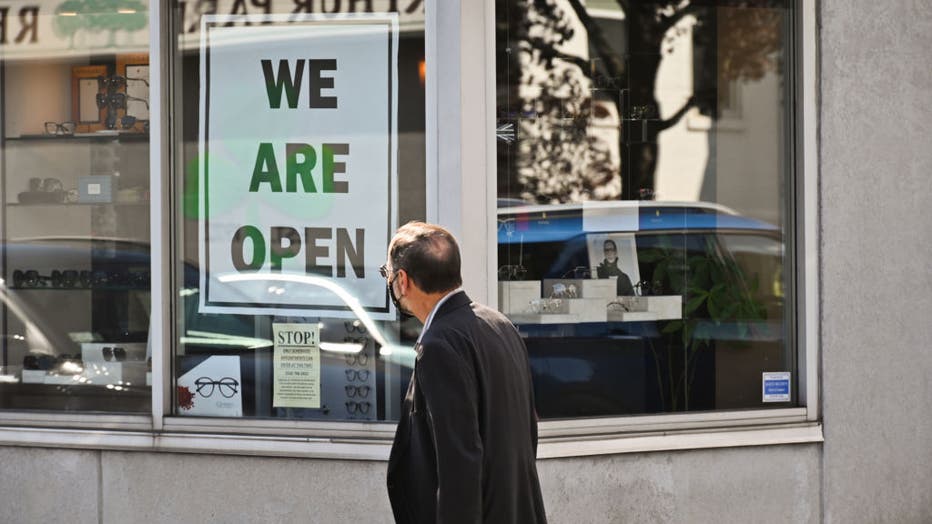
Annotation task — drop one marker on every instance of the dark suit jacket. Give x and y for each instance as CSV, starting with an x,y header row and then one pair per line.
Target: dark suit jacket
x,y
466,445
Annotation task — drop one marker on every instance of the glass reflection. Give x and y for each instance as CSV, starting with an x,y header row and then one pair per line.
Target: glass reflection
x,y
644,170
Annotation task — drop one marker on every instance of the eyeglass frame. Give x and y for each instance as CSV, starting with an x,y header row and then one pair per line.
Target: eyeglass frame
x,y
117,81
60,126
357,359
354,326
356,408
117,353
202,382
361,391
357,375
29,278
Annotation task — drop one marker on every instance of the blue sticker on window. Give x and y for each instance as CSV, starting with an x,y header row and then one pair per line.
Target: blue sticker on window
x,y
776,387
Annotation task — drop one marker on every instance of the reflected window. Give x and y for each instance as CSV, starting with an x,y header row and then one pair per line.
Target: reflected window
x,y
643,193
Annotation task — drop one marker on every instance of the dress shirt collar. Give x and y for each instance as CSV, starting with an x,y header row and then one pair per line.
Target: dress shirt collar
x,y
433,312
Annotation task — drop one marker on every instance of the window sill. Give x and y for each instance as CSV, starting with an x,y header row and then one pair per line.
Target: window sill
x,y
361,441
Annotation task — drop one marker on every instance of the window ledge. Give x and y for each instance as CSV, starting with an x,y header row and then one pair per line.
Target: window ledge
x,y
681,440
378,449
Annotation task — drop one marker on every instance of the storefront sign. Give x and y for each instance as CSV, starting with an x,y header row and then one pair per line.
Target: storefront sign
x,y
296,366
31,29
298,148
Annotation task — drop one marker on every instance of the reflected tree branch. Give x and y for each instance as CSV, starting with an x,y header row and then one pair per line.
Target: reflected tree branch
x,y
669,21
670,122
604,50
548,51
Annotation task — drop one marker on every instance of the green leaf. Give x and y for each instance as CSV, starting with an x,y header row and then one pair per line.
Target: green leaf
x,y
714,311
694,303
729,310
672,327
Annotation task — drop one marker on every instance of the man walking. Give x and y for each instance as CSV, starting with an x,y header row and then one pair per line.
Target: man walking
x,y
465,449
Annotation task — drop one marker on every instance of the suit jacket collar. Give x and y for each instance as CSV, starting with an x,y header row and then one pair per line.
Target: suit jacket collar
x,y
456,301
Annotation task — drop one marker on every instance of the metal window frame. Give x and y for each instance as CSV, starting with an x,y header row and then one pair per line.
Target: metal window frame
x,y
459,91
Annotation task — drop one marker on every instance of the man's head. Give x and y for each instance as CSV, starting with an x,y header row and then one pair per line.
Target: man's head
x,y
610,250
423,260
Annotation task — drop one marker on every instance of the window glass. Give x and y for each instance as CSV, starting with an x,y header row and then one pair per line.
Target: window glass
x,y
644,157
74,225
299,148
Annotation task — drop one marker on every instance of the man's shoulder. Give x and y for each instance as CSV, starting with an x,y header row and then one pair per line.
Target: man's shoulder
x,y
463,319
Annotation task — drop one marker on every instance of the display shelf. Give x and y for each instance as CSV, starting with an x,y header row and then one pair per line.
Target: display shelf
x,y
78,204
667,307
103,137
121,289
74,397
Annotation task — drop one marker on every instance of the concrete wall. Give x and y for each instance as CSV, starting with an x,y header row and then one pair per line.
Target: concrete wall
x,y
773,484
876,195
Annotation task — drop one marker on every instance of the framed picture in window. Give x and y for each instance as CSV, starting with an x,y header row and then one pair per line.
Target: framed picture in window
x,y
87,114
134,69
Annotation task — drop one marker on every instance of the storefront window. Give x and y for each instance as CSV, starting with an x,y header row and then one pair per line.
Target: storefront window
x,y
644,170
299,148
74,224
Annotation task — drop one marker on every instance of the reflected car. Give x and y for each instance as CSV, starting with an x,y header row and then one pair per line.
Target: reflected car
x,y
75,324
695,314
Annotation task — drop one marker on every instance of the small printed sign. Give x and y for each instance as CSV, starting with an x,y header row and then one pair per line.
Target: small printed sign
x,y
296,366
776,386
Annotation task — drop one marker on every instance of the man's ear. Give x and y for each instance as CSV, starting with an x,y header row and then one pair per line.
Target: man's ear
x,y
403,282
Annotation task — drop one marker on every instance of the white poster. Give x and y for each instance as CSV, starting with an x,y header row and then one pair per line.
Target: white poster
x,y
615,256
212,388
296,366
298,159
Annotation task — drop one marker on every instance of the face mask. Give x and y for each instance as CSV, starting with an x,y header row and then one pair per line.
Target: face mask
x,y
396,300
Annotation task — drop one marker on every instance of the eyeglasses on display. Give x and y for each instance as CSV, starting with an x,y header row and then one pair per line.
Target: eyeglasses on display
x,y
353,407
546,305
512,272
362,341
357,359
117,81
116,353
361,375
578,272
354,326
357,391
117,100
59,128
28,279
72,278
227,386
645,288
